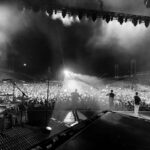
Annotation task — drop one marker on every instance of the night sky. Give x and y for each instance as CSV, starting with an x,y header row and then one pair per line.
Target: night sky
x,y
32,42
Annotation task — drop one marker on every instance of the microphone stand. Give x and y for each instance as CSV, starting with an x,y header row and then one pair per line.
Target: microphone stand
x,y
19,88
15,86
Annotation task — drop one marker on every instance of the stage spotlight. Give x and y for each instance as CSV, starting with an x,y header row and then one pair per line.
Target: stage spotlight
x,y
147,22
24,64
126,19
67,73
135,21
94,16
88,15
111,18
104,16
64,12
55,11
80,15
47,130
49,12
108,18
120,19
140,20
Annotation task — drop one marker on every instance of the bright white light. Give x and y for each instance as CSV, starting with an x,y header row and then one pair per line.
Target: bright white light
x,y
24,64
48,128
67,73
71,85
67,21
69,118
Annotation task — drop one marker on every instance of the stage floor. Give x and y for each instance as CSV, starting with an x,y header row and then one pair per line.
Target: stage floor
x,y
23,138
142,114
113,130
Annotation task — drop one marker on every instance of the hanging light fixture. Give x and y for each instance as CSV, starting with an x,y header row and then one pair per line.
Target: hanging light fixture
x,y
107,18
80,15
94,16
64,12
111,18
147,22
135,21
73,13
103,16
126,19
49,12
55,11
140,21
120,19
88,14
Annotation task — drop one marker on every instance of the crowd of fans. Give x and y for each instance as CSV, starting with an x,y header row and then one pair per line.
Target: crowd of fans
x,y
59,98
90,97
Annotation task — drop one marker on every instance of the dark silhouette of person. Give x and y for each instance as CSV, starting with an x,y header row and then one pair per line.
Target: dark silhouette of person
x,y
22,109
111,100
75,98
137,101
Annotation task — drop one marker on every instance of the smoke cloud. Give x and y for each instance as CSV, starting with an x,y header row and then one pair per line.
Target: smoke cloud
x,y
92,47
125,37
10,24
29,37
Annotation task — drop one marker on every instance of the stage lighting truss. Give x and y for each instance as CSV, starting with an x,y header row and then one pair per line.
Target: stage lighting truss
x,y
108,16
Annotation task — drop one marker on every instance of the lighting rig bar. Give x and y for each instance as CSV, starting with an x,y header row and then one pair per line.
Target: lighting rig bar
x,y
50,7
94,14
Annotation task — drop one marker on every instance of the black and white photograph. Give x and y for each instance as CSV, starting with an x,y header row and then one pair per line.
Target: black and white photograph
x,y
74,74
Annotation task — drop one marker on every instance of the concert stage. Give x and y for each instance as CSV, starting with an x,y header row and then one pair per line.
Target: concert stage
x,y
142,114
112,130
23,138
115,130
